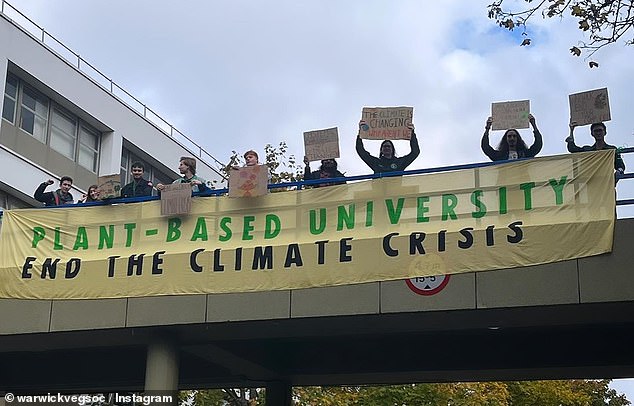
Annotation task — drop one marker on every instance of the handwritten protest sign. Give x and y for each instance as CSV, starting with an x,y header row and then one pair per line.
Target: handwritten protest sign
x,y
176,199
248,181
386,123
511,114
321,144
110,186
589,107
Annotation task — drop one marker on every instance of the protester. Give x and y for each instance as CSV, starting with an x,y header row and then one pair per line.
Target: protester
x,y
92,195
251,158
187,168
387,160
598,132
328,169
57,198
248,182
511,146
139,186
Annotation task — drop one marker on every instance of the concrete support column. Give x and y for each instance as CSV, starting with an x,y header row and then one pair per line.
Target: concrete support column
x,y
279,394
161,368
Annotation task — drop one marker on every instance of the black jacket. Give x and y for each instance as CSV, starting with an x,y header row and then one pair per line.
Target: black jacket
x,y
321,174
496,155
381,165
134,189
56,198
618,161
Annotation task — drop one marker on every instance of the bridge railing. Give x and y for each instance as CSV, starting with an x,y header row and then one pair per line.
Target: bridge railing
x,y
298,185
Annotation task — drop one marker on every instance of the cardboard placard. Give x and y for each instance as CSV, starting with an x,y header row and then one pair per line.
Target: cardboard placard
x,y
176,199
510,114
110,186
590,107
321,144
248,181
386,123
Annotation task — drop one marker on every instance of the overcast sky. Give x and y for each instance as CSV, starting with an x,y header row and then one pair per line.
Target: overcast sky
x,y
238,74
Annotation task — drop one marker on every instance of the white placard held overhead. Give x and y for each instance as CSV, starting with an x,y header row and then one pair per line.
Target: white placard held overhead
x,y
321,144
590,107
511,114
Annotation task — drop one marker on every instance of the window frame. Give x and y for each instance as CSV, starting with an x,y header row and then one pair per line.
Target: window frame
x,y
150,172
96,152
52,107
38,96
14,98
56,109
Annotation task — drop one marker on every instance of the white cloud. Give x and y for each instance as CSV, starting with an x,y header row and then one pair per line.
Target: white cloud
x,y
235,75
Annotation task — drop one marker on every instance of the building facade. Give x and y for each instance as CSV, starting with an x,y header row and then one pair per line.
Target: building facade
x,y
59,120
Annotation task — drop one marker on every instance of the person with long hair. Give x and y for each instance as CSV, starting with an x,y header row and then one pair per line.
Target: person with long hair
x,y
92,195
511,146
387,160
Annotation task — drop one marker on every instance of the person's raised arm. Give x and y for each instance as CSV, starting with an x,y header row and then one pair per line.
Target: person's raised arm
x,y
485,143
539,143
306,168
414,147
39,192
363,154
570,140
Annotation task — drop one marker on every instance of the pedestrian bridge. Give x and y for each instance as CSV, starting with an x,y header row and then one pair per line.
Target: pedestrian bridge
x,y
570,319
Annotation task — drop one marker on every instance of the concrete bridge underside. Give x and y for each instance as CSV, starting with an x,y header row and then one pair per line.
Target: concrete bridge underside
x,y
573,319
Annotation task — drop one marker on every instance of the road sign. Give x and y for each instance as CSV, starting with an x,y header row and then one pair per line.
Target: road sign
x,y
428,285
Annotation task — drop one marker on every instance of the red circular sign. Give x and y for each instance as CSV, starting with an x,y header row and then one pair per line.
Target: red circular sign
x,y
428,285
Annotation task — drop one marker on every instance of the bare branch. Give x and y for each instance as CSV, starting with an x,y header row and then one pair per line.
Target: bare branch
x,y
604,22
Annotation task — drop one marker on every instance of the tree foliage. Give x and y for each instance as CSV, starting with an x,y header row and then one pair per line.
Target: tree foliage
x,y
525,393
222,397
603,21
578,392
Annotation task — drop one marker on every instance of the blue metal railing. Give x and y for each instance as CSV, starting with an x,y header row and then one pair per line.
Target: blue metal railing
x,y
300,184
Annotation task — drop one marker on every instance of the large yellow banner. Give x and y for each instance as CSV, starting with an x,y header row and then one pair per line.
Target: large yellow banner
x,y
509,215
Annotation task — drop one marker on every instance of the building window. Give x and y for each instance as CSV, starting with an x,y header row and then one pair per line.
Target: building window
x,y
149,172
34,113
10,98
88,147
51,124
63,133
125,161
